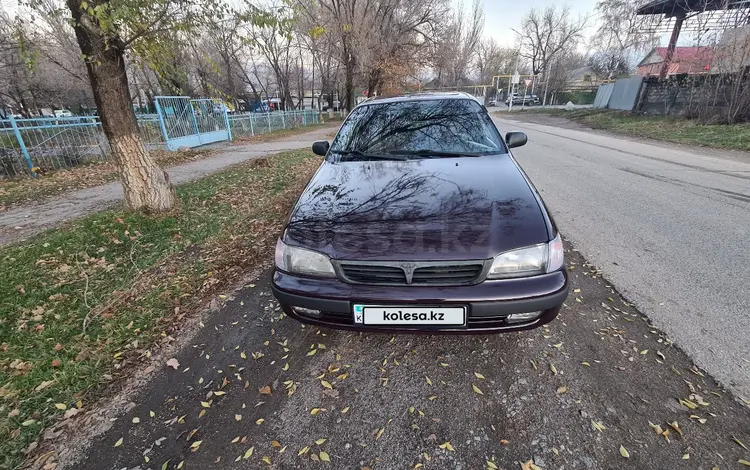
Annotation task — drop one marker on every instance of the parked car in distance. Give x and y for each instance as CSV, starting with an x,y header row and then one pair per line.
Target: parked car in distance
x,y
492,102
420,219
527,100
63,113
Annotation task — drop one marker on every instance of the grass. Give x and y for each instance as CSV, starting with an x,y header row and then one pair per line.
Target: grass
x,y
665,128
127,279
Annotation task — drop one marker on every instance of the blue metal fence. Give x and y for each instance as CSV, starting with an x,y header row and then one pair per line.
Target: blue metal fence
x,y
54,143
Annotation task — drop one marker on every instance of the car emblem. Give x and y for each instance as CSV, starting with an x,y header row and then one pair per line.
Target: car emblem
x,y
408,270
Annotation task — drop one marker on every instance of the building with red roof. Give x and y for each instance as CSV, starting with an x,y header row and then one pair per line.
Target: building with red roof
x,y
686,60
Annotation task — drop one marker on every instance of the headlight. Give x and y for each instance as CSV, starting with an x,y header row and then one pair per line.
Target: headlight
x,y
530,261
297,260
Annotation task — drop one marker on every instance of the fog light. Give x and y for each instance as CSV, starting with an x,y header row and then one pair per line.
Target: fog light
x,y
521,317
307,311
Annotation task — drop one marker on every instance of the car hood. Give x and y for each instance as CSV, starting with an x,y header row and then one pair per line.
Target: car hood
x,y
424,209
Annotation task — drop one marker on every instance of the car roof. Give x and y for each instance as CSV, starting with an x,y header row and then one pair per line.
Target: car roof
x,y
422,96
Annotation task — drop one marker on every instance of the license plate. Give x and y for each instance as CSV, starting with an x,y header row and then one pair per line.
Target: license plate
x,y
388,315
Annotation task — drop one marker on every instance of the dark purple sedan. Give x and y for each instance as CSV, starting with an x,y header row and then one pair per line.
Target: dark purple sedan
x,y
420,219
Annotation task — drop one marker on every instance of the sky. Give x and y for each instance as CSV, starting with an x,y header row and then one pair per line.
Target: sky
x,y
502,15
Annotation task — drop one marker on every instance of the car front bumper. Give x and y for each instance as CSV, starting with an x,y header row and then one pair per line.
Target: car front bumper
x,y
488,304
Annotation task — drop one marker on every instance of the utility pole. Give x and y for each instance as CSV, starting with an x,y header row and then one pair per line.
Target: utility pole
x,y
546,84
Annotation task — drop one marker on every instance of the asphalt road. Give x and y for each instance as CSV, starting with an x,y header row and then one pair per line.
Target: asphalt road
x,y
670,228
254,390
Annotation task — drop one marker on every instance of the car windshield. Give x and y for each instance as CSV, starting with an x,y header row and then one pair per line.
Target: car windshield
x,y
418,129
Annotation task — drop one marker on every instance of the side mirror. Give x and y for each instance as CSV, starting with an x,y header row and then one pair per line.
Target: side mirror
x,y
321,147
515,139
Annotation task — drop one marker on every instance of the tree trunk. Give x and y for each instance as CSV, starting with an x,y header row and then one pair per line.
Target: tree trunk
x,y
146,186
348,77
373,82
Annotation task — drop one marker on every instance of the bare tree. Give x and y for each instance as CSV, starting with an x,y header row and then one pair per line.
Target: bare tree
x,y
620,38
493,59
545,34
455,48
392,36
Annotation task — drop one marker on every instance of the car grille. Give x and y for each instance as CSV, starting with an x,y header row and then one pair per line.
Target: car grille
x,y
412,273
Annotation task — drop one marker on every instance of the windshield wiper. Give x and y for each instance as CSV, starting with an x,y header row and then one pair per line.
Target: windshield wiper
x,y
432,153
357,153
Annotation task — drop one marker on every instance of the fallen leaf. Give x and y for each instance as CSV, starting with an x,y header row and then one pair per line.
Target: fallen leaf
x,y
56,363
598,425
476,389
266,459
260,421
324,456
219,393
44,385
478,375
265,390
447,445
561,390
119,442
303,450
238,417
379,433
739,443
248,453
624,452
195,445
674,425
657,429
275,444
429,381
553,368
345,409
136,420
744,462
326,384
321,441
173,363
61,406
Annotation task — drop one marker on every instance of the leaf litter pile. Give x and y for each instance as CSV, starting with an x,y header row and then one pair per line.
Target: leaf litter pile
x,y
599,388
82,303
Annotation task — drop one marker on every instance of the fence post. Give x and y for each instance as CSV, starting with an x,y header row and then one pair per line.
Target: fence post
x,y
283,119
161,121
226,121
21,143
304,119
268,115
252,131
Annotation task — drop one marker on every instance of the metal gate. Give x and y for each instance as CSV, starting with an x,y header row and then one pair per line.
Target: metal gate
x,y
187,122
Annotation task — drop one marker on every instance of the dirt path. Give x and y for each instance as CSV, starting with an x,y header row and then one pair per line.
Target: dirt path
x,y
565,396
22,222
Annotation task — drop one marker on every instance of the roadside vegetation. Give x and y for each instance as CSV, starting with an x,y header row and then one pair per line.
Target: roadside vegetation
x,y
665,128
81,303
